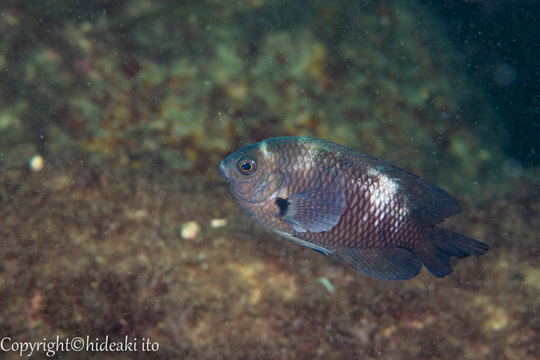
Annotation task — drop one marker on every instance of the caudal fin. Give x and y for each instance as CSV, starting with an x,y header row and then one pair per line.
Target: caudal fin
x,y
439,245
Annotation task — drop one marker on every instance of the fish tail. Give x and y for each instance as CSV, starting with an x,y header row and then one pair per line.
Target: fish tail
x,y
439,245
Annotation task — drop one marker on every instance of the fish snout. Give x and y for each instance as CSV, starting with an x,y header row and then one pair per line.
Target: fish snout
x,y
223,169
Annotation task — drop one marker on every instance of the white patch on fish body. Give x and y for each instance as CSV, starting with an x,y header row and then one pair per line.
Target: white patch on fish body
x,y
383,197
265,151
306,160
383,191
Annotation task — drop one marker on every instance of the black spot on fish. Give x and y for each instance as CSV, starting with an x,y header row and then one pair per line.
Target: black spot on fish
x,y
283,205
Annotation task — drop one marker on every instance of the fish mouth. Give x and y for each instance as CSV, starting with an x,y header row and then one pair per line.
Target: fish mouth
x,y
223,170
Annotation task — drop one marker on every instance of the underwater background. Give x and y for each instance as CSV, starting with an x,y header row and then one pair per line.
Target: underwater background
x,y
115,224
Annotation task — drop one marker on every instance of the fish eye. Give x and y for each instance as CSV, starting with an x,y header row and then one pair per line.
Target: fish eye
x,y
247,166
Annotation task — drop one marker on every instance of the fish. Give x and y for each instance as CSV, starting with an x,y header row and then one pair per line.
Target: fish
x,y
367,213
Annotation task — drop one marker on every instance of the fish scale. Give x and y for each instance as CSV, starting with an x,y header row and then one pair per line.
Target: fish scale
x,y
375,217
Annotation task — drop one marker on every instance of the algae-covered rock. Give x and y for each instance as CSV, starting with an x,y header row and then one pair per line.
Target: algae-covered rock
x,y
173,84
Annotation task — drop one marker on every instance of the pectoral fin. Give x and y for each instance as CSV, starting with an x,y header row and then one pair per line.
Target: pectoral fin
x,y
314,210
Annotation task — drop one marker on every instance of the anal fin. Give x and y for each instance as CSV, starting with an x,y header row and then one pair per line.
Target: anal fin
x,y
389,264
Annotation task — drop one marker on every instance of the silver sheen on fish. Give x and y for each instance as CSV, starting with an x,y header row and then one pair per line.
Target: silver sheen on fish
x,y
375,217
